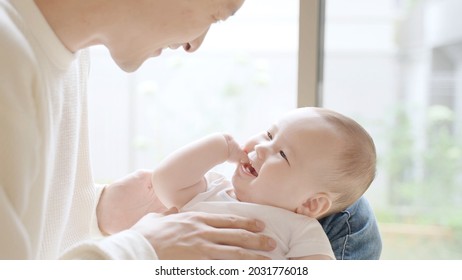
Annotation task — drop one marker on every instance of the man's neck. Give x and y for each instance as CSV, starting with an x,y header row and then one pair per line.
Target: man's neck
x,y
73,21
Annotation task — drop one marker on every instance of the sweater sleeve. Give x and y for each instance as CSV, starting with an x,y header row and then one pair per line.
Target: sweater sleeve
x,y
94,228
126,245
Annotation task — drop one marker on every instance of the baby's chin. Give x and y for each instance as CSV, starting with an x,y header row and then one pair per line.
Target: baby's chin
x,y
234,193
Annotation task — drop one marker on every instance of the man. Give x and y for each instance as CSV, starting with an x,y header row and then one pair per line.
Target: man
x,y
48,202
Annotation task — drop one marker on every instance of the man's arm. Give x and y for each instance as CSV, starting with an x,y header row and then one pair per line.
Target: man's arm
x,y
354,233
180,176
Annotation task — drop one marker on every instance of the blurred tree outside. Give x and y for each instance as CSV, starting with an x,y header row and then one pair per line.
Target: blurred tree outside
x,y
424,195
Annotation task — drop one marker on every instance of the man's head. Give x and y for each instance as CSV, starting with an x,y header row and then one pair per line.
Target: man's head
x,y
135,30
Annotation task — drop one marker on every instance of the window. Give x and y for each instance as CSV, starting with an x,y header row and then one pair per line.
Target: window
x,y
395,66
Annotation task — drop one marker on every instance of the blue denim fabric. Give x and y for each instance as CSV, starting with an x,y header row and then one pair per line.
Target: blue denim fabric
x,y
354,233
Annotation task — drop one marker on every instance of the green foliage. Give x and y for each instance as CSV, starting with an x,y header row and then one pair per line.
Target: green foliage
x,y
424,183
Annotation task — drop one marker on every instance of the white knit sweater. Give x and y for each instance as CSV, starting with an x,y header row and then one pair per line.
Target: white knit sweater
x,y
47,194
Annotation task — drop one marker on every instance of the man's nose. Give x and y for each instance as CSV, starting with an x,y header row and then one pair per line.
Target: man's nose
x,y
196,43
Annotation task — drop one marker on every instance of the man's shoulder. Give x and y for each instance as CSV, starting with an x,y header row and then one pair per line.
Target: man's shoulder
x,y
15,46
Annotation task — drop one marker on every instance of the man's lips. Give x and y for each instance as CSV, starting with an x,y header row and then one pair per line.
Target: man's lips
x,y
249,168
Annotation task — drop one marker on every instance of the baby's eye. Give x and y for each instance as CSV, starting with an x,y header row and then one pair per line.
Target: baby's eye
x,y
269,135
283,155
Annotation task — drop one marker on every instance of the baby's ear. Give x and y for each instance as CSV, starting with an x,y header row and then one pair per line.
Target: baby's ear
x,y
315,206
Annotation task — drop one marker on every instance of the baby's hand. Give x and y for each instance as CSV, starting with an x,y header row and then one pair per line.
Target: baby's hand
x,y
235,153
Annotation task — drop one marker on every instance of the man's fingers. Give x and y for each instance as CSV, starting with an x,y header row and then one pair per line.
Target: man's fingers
x,y
231,221
195,235
236,231
222,252
242,239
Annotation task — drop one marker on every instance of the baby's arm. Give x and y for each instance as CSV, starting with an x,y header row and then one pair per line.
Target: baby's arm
x,y
180,176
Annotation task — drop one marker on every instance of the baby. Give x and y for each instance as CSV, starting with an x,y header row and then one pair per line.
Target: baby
x,y
311,163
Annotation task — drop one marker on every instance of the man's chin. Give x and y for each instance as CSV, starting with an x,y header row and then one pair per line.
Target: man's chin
x,y
127,65
131,65
128,68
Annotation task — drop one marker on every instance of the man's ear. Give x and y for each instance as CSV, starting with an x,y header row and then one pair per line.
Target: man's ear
x,y
315,206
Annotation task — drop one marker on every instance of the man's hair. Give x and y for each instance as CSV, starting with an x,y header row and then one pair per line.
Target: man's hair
x,y
354,161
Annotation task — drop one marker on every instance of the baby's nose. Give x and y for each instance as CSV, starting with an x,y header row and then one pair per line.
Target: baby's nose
x,y
262,150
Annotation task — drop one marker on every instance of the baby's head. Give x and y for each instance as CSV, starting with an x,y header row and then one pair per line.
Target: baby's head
x,y
353,161
312,161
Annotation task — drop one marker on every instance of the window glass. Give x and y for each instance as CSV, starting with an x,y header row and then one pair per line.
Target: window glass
x,y
243,77
396,67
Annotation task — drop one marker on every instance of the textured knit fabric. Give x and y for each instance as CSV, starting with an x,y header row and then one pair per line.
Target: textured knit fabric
x,y
296,235
47,194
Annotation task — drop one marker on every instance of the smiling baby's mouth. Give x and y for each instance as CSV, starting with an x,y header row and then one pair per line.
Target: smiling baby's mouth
x,y
249,168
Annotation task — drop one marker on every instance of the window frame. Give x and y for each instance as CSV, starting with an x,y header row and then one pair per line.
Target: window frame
x,y
311,53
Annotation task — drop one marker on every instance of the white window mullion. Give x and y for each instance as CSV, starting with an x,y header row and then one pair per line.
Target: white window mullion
x,y
310,59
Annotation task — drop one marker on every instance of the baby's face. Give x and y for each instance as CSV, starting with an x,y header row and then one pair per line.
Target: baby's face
x,y
287,161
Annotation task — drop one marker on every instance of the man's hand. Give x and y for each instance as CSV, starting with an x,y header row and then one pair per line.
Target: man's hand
x,y
124,202
197,236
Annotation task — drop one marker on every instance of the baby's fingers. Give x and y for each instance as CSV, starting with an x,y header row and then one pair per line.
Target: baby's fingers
x,y
244,158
